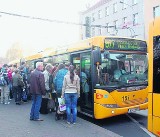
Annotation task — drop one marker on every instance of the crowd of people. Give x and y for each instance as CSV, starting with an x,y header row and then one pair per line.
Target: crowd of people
x,y
44,82
13,83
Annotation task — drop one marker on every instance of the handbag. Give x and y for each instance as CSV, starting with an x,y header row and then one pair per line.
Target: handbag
x,y
51,103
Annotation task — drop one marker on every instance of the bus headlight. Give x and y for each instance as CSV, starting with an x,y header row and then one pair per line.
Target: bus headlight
x,y
112,111
110,105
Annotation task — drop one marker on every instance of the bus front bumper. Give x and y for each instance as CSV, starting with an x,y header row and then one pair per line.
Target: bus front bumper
x,y
101,112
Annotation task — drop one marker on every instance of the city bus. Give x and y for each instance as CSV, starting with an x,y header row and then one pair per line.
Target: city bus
x,y
154,77
40,56
113,74
32,59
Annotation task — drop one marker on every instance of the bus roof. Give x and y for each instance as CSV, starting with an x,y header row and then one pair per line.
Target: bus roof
x,y
34,56
81,45
85,44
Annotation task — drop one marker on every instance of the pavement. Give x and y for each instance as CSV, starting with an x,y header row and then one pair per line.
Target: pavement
x,y
14,122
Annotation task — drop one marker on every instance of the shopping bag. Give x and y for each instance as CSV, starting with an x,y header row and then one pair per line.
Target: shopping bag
x,y
62,105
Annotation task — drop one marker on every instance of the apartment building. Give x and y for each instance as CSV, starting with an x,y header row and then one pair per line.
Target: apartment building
x,y
127,18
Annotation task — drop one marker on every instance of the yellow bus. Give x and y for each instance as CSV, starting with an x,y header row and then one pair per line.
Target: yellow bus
x,y
40,56
32,59
154,77
113,73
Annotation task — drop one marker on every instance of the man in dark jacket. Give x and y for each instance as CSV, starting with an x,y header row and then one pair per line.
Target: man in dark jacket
x,y
37,89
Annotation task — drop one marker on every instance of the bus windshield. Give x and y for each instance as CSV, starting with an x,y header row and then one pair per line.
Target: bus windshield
x,y
123,69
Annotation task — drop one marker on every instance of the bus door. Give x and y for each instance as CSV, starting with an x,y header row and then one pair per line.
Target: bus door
x,y
86,83
154,77
156,85
82,63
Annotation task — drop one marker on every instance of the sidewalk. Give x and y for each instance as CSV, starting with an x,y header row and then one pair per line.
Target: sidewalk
x,y
14,120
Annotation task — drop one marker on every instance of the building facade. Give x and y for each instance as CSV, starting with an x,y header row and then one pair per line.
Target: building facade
x,y
127,18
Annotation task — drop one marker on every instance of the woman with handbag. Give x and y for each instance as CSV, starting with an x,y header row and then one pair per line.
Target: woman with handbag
x,y
71,92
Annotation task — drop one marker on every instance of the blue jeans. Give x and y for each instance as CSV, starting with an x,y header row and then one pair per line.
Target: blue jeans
x,y
71,103
10,85
36,104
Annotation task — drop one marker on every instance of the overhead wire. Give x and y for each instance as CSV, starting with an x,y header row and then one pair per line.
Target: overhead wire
x,y
52,20
64,22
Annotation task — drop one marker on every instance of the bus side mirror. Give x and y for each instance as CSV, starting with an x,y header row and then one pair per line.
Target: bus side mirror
x,y
96,54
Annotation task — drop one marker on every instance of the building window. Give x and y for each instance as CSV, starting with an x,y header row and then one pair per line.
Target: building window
x,y
106,11
93,17
99,14
107,27
134,2
115,24
114,7
135,19
124,4
124,20
93,31
156,11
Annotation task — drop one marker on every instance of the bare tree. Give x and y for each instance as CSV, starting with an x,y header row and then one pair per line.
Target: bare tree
x,y
14,52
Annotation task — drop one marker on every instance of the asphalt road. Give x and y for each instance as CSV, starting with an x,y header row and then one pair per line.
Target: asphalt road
x,y
14,120
129,125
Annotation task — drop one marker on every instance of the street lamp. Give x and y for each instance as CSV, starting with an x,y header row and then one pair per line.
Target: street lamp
x,y
129,28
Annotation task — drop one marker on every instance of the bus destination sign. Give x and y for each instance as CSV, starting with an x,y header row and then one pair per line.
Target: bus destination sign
x,y
125,44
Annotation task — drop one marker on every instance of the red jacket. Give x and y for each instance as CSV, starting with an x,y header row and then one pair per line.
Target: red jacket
x,y
10,74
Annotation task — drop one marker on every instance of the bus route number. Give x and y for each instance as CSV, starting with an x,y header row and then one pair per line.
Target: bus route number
x,y
125,98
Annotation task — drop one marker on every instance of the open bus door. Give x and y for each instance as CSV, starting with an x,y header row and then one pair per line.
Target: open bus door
x,y
82,63
154,78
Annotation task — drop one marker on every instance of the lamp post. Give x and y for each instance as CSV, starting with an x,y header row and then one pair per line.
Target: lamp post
x,y
129,28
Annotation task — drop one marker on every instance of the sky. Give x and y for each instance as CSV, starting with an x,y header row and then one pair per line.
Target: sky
x,y
36,35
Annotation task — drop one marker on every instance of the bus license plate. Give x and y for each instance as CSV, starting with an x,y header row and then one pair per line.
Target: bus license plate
x,y
131,110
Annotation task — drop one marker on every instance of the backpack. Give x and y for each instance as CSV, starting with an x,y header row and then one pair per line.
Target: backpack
x,y
5,75
2,81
